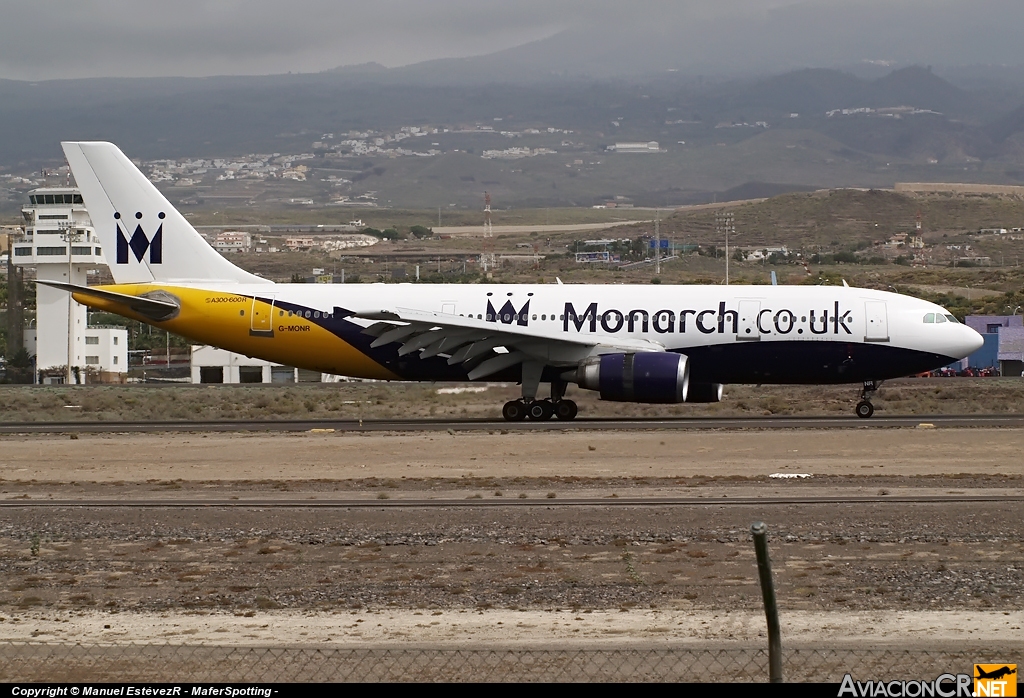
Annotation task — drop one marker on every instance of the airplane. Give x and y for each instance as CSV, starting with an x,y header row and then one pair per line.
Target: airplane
x,y
656,344
995,673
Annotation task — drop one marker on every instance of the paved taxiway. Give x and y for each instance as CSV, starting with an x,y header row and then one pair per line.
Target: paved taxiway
x,y
582,424
163,502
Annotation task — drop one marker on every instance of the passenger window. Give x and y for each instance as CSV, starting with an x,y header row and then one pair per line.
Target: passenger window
x,y
929,318
939,318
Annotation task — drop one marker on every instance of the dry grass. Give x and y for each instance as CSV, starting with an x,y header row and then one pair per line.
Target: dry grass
x,y
411,400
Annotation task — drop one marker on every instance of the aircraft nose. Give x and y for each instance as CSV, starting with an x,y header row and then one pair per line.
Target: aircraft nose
x,y
972,341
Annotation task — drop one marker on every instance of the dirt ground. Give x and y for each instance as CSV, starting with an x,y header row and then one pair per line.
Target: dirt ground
x,y
564,454
528,573
518,628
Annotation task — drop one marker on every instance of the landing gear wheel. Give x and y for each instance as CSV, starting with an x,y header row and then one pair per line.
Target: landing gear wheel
x,y
514,411
539,410
865,409
566,410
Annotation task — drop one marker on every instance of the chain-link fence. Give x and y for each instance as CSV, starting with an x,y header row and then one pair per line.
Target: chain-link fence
x,y
201,663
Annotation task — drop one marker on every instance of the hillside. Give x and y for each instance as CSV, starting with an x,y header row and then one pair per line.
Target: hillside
x,y
841,218
719,139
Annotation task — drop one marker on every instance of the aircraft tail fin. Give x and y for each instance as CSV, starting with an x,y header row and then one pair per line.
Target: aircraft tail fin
x,y
145,239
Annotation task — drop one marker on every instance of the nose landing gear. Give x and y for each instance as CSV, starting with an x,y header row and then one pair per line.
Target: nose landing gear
x,y
864,408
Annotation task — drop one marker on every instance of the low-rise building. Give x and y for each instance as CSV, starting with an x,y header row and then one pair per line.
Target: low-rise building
x,y
1004,343
215,365
648,147
301,243
232,241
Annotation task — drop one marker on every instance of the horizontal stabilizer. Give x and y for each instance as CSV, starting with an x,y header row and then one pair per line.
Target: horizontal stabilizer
x,y
156,309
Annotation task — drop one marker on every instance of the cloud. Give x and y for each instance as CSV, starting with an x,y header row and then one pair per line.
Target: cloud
x,y
46,39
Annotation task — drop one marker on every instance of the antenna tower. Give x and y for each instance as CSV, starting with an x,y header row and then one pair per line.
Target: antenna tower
x,y
657,241
487,215
724,225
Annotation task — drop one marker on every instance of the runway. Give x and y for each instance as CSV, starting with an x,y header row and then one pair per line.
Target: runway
x,y
474,503
470,425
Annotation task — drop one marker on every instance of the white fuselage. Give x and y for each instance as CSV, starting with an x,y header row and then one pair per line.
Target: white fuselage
x,y
740,320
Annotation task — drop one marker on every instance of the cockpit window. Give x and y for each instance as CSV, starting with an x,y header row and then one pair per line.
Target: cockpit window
x,y
939,317
952,319
929,318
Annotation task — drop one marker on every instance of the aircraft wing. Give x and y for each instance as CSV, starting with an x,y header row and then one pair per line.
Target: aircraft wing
x,y
464,339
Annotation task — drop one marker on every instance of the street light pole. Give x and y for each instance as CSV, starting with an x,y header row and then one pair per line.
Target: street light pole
x,y
70,236
724,222
657,242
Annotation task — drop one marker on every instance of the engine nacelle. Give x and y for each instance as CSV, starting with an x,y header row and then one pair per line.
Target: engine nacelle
x,y
704,392
651,377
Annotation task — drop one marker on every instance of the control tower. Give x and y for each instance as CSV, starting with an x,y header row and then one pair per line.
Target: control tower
x,y
55,220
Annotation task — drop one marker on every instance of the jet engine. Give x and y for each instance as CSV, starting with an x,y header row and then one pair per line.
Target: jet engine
x,y
650,377
704,392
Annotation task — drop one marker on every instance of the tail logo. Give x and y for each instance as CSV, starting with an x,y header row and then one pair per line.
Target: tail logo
x,y
140,243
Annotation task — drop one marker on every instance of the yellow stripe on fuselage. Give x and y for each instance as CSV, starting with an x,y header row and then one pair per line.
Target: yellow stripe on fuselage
x,y
225,320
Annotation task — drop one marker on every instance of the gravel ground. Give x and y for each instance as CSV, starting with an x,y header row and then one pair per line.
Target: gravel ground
x,y
897,565
878,556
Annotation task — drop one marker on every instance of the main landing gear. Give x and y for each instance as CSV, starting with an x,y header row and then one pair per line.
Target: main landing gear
x,y
864,408
538,410
529,407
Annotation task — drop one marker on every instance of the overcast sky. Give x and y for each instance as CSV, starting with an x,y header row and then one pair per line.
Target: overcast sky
x,y
46,39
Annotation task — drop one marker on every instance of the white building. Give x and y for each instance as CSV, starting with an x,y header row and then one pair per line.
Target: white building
x,y
649,147
214,365
232,241
104,355
106,351
305,242
56,219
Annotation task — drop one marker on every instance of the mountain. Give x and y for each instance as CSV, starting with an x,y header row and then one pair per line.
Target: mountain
x,y
654,39
762,134
921,88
